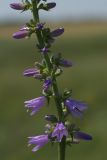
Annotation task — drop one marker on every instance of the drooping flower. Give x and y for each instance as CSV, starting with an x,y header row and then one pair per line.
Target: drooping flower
x,y
57,32
32,72
21,34
47,84
59,131
39,141
75,107
17,6
35,104
82,136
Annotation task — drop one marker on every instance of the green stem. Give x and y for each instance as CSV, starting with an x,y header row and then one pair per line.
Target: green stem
x,y
57,98
61,149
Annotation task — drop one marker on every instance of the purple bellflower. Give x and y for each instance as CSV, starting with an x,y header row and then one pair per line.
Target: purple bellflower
x,y
75,107
35,104
40,26
39,141
32,72
47,84
59,131
50,5
57,32
82,136
17,6
44,50
21,34
65,63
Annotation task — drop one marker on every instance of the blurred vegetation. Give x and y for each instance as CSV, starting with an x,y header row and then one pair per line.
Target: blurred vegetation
x,y
86,46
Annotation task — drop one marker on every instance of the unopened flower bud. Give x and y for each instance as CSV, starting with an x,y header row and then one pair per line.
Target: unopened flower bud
x,y
57,32
65,63
81,135
39,26
21,34
51,118
17,6
44,50
51,5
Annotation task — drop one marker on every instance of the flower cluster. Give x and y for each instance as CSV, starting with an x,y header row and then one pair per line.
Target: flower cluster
x,y
58,128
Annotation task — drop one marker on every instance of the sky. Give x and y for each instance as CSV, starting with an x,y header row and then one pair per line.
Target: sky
x,y
65,9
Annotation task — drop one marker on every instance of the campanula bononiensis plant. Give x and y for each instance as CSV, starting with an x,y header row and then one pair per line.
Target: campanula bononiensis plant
x,y
58,129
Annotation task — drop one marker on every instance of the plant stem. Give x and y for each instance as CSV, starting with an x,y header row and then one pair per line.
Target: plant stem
x,y
57,98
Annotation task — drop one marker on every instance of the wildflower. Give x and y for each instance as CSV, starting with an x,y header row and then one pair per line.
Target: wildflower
x,y
65,63
39,26
44,50
17,6
57,32
35,104
75,107
47,84
81,135
59,131
50,5
21,34
32,72
39,141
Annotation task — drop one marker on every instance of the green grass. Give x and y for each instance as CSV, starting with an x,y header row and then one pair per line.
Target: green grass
x,y
87,78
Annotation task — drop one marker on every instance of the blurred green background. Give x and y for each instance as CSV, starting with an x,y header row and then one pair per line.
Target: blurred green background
x,y
86,45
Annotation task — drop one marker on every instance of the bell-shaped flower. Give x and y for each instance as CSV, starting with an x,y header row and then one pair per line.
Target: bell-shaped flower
x,y
82,136
47,84
32,72
75,107
59,131
39,141
35,104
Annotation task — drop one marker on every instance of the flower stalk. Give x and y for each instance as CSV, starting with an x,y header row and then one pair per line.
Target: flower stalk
x,y
59,129
62,144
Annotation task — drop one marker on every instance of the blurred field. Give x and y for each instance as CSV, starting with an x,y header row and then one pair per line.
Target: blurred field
x,y
86,46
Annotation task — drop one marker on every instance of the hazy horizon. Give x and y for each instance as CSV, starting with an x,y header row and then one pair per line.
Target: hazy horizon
x,y
70,10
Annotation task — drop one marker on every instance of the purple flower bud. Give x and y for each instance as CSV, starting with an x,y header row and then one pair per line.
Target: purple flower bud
x,y
59,131
82,135
65,63
57,32
17,6
20,34
35,104
39,26
51,5
47,84
51,118
75,107
39,141
32,72
44,50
